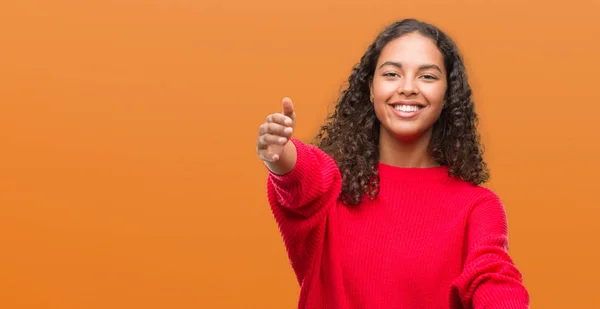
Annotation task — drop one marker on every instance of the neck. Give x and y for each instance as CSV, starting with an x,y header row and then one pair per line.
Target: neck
x,y
409,153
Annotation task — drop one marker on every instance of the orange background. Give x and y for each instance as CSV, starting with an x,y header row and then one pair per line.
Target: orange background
x,y
128,177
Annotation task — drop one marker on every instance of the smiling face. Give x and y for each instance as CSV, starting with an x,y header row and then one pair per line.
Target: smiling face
x,y
408,87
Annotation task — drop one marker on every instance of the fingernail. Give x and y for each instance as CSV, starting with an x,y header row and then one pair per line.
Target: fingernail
x,y
282,140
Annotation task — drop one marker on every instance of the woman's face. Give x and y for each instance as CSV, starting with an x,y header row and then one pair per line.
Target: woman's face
x,y
408,87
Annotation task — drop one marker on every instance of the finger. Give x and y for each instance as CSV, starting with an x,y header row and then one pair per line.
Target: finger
x,y
288,108
265,156
269,139
280,119
275,129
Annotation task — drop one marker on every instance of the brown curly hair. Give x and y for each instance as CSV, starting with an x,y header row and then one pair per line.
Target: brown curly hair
x,y
351,133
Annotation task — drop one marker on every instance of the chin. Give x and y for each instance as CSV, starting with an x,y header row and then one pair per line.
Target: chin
x,y
405,134
408,137
407,130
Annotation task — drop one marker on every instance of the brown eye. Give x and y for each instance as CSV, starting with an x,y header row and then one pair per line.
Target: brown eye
x,y
391,74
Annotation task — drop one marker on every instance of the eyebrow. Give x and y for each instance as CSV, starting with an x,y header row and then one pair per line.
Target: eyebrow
x,y
421,67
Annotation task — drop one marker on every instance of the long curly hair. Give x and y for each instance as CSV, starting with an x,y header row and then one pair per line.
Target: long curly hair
x,y
351,133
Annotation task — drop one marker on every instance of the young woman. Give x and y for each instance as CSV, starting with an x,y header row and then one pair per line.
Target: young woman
x,y
386,210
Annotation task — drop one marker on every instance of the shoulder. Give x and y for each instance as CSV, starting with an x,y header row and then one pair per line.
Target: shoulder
x,y
472,191
309,153
477,196
484,195
485,209
302,146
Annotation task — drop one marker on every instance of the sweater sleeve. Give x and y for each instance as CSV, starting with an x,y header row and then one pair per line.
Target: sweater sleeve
x,y
300,201
489,278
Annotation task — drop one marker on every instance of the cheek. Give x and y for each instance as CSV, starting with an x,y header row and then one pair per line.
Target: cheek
x,y
434,94
382,112
383,90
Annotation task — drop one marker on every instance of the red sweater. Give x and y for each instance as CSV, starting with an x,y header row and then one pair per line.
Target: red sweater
x,y
428,240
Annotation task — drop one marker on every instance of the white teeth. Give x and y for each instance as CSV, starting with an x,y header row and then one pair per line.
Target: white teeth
x,y
406,108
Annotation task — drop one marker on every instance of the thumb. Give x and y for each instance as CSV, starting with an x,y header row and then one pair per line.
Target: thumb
x,y
288,108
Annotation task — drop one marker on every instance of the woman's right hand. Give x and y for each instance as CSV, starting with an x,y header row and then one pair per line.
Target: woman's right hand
x,y
272,145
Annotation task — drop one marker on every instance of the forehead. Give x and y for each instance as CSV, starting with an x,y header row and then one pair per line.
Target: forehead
x,y
412,49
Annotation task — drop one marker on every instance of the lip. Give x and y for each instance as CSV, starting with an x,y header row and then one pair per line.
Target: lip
x,y
407,115
407,102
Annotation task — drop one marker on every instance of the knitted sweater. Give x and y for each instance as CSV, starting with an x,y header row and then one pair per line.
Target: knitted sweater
x,y
427,241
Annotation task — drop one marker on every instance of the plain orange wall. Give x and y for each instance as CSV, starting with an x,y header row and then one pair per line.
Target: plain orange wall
x,y
128,177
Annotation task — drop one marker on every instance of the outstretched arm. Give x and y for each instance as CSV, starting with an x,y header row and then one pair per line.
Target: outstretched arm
x,y
303,184
490,278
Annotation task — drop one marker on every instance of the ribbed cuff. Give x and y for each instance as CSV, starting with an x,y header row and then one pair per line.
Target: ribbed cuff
x,y
301,168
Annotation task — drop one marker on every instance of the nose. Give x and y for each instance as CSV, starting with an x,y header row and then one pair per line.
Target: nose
x,y
407,87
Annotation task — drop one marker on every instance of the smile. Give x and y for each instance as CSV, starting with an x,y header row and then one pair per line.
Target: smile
x,y
406,110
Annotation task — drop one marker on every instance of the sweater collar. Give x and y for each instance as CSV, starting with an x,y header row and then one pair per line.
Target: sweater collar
x,y
439,173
